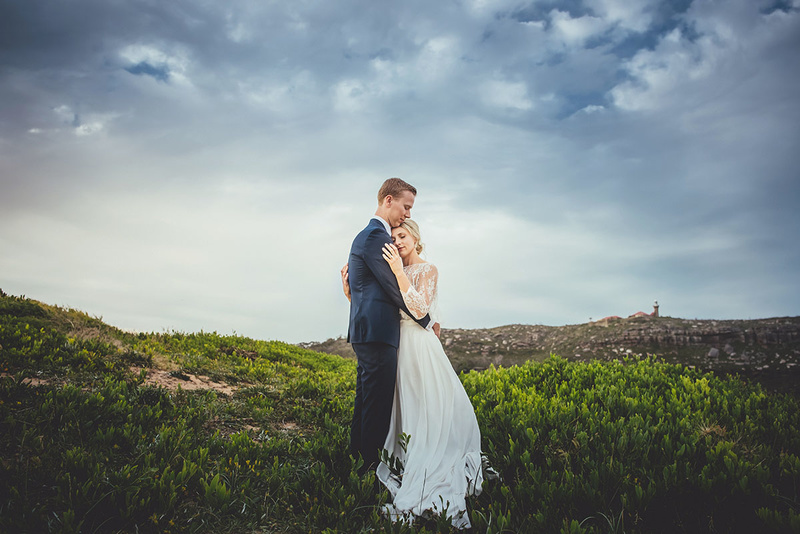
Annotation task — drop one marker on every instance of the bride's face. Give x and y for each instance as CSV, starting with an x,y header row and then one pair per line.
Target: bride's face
x,y
403,241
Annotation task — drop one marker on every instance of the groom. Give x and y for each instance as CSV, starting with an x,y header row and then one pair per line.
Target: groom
x,y
374,330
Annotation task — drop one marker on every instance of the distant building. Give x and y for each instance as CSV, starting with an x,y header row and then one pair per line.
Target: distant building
x,y
643,314
606,320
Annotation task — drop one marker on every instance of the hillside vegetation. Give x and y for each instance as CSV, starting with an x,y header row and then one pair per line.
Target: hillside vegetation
x,y
767,350
90,442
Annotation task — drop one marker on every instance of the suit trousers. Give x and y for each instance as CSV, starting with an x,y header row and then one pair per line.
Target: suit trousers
x,y
377,370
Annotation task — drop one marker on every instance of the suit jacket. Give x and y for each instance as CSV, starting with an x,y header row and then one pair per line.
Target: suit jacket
x,y
374,295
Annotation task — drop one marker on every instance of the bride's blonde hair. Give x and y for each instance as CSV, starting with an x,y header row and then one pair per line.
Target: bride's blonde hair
x,y
413,229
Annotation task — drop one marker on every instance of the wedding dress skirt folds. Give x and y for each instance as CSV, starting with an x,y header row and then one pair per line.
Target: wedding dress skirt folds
x,y
442,463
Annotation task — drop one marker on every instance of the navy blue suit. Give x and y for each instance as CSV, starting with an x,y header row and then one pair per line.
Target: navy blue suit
x,y
374,332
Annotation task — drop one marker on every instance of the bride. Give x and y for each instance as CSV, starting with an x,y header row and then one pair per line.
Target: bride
x,y
432,460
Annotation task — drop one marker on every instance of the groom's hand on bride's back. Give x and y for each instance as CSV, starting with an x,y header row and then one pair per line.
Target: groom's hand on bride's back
x,y
437,328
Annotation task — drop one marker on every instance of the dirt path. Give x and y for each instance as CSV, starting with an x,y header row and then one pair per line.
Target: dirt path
x,y
171,380
155,377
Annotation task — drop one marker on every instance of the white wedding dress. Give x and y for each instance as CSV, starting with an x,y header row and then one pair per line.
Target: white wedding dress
x,y
442,463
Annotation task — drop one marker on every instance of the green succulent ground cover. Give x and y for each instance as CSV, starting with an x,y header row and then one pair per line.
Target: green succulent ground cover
x,y
631,446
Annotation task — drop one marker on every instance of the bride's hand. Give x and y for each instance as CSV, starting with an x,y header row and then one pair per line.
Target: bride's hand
x,y
346,281
392,257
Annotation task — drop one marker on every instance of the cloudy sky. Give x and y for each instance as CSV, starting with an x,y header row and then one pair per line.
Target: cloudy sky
x,y
196,164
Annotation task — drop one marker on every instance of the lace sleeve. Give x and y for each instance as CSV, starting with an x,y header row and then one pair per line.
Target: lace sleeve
x,y
422,293
434,311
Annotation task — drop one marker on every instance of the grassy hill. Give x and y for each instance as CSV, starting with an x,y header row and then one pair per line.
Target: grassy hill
x,y
107,431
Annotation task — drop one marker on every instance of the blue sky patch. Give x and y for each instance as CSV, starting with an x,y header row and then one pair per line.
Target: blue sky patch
x,y
144,68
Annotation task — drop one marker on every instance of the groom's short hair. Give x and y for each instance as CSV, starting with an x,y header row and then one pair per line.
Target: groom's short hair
x,y
394,186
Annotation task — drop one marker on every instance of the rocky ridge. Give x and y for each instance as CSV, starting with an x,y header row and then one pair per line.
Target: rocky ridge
x,y
760,346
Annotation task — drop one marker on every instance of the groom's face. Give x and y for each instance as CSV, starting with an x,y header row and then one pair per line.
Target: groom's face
x,y
400,208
